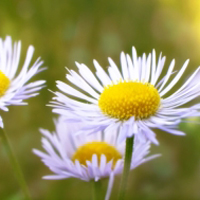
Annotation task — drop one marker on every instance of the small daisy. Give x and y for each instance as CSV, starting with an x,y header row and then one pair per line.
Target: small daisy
x,y
13,83
86,156
134,99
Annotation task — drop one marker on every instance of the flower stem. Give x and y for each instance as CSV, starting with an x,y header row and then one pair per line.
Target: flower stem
x,y
14,164
97,189
127,164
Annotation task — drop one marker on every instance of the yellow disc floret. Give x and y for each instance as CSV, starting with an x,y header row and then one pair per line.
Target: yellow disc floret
x,y
4,83
86,152
128,99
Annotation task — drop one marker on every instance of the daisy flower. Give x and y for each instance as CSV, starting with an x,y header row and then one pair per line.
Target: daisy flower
x,y
14,88
133,99
87,156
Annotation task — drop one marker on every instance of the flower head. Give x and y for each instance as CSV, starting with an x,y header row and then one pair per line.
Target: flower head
x,y
134,99
87,156
13,84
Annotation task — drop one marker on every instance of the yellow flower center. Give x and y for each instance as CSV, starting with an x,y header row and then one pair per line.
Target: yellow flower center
x,y
128,99
4,83
86,152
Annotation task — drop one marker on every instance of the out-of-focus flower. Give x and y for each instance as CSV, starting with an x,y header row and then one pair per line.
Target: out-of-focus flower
x,y
84,156
14,86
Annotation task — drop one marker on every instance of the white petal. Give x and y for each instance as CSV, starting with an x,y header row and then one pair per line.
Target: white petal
x,y
175,80
124,66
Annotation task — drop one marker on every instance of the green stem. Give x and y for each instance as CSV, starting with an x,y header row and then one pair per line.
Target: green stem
x,y
97,190
127,164
14,164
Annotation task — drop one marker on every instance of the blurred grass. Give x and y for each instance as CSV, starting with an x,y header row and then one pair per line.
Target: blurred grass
x,y
63,32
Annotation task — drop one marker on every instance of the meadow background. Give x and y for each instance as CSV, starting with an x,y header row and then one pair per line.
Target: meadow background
x,y
63,32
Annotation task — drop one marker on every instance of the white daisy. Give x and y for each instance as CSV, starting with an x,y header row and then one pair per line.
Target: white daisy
x,y
86,156
13,83
133,100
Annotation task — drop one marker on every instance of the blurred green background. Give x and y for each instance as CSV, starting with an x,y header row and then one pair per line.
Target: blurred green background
x,y
63,32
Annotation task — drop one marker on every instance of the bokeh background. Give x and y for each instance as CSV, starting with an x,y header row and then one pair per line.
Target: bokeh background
x,y
63,32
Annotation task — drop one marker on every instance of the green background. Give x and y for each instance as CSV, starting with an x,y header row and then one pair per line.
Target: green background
x,y
63,32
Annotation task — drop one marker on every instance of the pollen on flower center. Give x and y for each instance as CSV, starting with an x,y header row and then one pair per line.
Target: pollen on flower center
x,y
128,99
86,152
4,83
